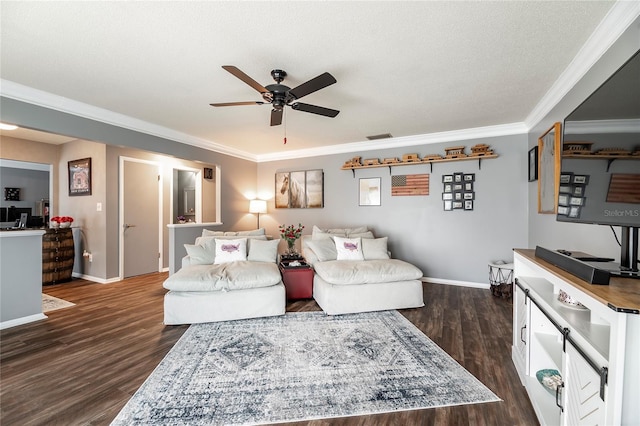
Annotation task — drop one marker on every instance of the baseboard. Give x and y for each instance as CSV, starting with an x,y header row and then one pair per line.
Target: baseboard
x,y
96,279
455,282
23,320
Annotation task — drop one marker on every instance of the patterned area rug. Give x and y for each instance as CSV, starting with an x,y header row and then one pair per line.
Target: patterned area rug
x,y
50,303
300,366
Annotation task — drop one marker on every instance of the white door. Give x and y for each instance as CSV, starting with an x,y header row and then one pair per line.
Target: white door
x,y
140,217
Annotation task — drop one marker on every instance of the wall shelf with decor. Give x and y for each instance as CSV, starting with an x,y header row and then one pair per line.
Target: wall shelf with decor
x,y
478,152
610,158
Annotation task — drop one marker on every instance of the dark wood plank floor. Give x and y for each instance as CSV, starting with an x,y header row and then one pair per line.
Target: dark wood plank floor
x,y
82,364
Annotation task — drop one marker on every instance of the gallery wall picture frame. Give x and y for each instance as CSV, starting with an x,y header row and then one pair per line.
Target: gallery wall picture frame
x,y
302,189
533,164
468,204
369,192
79,177
11,194
549,155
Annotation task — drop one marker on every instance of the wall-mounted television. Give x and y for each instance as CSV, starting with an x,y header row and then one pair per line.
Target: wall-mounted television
x,y
600,168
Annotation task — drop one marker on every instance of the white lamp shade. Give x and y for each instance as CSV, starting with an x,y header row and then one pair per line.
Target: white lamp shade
x,y
257,206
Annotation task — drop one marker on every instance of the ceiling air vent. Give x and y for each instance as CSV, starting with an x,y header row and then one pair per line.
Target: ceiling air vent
x,y
382,136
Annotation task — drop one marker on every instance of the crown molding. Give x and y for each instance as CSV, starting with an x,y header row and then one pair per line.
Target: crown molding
x,y
12,90
602,126
621,15
400,142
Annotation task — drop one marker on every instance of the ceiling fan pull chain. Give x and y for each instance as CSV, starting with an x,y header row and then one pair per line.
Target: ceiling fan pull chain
x,y
284,113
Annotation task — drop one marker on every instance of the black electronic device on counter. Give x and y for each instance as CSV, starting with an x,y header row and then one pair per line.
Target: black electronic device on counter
x,y
580,269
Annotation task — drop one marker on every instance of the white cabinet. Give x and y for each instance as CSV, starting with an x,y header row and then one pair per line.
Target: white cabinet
x,y
594,348
520,332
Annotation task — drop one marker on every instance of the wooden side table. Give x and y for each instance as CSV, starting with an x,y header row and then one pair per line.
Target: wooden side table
x,y
298,281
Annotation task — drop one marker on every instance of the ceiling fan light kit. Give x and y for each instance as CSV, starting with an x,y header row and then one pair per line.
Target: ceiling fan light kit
x,y
280,96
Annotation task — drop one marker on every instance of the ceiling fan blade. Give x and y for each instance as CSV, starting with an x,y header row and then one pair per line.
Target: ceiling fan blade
x,y
224,104
276,117
315,84
314,109
242,76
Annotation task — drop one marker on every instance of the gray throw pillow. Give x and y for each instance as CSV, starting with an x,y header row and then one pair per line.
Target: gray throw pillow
x,y
263,251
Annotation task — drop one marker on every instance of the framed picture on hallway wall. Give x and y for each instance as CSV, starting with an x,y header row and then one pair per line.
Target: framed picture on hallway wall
x,y
299,190
80,177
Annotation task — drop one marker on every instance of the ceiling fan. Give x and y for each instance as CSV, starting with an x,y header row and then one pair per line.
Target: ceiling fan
x,y
279,95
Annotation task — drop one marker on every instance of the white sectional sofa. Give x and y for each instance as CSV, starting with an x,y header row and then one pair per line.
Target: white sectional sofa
x,y
226,276
354,273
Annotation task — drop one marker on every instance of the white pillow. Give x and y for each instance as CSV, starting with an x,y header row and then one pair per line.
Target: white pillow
x,y
209,233
318,233
263,251
324,249
349,248
230,250
199,255
375,249
259,231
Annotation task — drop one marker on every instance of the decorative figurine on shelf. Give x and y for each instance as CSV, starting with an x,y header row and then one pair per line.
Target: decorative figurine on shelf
x,y
290,234
182,219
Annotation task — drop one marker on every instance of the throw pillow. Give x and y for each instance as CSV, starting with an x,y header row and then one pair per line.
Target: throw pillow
x,y
209,233
263,251
230,250
375,249
199,255
324,249
259,231
367,234
319,233
349,248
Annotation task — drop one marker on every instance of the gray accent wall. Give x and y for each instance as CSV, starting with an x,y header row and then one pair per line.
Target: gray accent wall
x,y
447,245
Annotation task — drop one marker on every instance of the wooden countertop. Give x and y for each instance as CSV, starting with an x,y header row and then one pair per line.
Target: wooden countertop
x,y
621,293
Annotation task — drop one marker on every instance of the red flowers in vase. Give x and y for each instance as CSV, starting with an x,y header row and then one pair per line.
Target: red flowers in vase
x,y
290,234
61,221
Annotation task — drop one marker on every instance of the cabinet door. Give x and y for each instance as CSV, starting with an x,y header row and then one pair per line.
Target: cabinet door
x,y
520,331
583,405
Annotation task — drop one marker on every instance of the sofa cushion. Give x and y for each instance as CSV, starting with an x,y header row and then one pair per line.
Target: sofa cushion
x,y
346,272
230,250
348,248
375,248
200,255
209,233
324,249
318,233
236,275
263,251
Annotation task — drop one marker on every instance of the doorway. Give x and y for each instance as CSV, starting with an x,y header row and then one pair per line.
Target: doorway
x,y
140,221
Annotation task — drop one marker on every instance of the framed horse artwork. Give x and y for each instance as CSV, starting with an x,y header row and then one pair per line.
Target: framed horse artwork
x,y
300,189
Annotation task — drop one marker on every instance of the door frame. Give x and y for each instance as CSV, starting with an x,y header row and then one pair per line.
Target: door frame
x,y
158,166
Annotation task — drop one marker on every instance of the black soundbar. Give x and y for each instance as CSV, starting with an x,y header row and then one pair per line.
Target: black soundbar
x,y
575,267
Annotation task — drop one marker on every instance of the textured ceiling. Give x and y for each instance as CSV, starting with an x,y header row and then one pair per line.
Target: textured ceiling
x,y
405,68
